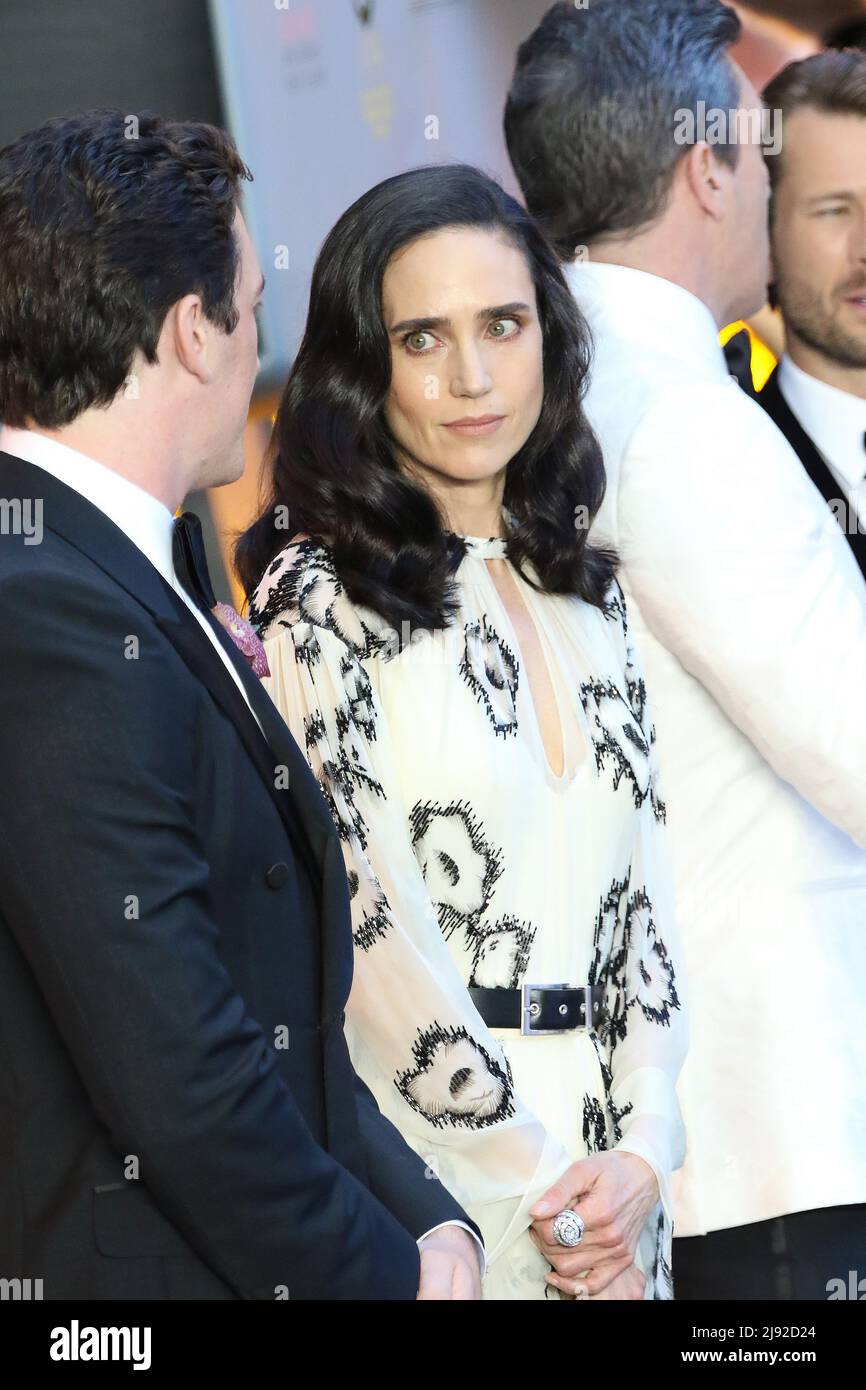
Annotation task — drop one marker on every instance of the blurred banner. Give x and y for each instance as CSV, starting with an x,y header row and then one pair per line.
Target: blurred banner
x,y
328,97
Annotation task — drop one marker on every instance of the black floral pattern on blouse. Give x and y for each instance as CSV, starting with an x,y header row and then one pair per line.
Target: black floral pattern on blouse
x,y
631,961
637,732
615,1113
614,608
662,1275
490,669
455,1081
619,744
342,771
368,902
459,864
301,589
460,868
500,953
594,1125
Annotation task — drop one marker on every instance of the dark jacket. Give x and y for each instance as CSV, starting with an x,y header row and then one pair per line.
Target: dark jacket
x,y
179,1117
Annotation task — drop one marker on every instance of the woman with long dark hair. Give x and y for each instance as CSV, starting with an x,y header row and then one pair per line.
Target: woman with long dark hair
x,y
454,656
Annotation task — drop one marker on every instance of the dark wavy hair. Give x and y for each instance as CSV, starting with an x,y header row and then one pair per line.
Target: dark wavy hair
x,y
332,457
106,220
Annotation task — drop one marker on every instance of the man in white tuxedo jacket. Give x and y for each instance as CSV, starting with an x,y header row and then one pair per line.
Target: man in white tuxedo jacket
x,y
750,613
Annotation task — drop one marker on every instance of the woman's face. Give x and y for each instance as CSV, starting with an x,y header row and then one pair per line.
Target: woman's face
x,y
460,311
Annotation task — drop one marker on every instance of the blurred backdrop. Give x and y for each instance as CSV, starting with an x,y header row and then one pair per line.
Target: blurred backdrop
x,y
325,98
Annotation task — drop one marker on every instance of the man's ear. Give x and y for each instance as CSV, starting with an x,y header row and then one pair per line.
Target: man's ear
x,y
707,178
191,333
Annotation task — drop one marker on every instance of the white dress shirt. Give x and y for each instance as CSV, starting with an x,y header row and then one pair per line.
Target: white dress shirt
x,y
149,524
749,611
836,423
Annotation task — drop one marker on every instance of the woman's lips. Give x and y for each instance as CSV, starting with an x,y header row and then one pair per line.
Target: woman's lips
x,y
484,425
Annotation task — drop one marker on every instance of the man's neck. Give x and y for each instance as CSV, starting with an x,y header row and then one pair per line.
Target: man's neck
x,y
823,368
129,458
650,254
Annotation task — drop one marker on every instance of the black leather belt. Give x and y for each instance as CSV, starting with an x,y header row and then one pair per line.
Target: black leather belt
x,y
541,1009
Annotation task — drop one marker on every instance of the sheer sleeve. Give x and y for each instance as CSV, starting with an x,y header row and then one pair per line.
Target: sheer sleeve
x,y
640,961
414,1035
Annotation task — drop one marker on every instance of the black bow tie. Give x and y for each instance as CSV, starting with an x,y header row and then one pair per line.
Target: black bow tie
x,y
190,560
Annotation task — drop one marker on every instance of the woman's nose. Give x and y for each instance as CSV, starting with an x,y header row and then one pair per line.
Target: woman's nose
x,y
471,377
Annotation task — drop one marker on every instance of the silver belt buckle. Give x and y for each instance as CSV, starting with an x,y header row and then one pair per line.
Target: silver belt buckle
x,y
526,1008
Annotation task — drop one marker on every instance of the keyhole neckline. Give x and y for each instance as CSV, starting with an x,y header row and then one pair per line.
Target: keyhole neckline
x,y
575,737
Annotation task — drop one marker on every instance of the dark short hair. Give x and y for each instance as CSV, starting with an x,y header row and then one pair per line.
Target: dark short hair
x,y
334,461
833,82
590,118
850,35
106,220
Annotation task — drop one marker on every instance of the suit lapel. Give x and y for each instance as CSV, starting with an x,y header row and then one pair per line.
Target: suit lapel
x,y
777,408
306,791
191,643
306,794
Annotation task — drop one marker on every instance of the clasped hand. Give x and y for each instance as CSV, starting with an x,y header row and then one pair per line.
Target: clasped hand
x,y
613,1192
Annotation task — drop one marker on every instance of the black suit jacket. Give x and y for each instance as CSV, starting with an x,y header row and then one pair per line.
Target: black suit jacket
x,y
777,408
179,1117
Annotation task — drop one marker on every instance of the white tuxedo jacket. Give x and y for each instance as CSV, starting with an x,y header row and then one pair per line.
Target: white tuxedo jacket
x,y
749,612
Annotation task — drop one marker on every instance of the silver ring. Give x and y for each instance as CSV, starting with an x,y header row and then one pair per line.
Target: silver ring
x,y
568,1227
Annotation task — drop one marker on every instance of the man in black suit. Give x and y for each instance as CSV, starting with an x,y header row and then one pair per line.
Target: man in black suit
x,y
817,394
179,1117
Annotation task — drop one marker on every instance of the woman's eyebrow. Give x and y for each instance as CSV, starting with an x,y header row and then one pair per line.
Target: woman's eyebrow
x,y
427,325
